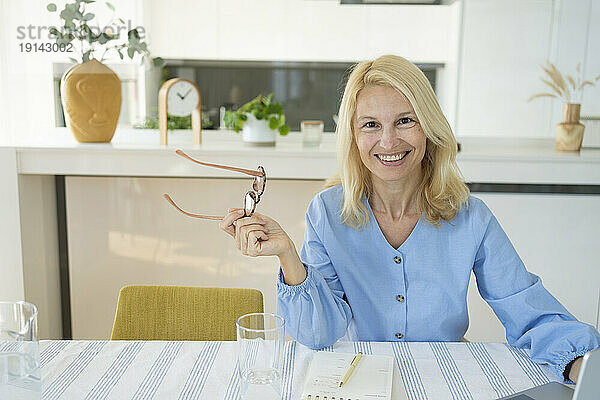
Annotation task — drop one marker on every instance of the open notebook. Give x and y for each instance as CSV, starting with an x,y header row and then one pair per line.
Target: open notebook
x,y
371,379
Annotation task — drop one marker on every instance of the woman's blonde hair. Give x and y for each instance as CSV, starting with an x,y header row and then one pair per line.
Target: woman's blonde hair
x,y
442,191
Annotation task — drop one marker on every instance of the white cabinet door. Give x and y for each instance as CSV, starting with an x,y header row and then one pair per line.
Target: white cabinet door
x,y
504,42
591,96
182,29
291,30
557,239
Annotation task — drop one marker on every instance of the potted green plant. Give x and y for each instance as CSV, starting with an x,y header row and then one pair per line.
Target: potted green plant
x,y
258,120
173,122
569,89
91,91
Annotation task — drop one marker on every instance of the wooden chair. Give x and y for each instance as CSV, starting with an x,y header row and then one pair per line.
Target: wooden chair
x,y
182,313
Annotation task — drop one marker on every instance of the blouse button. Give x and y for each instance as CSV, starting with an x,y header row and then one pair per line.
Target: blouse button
x,y
397,260
400,298
399,335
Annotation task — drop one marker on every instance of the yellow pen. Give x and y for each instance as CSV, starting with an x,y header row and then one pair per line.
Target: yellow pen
x,y
353,365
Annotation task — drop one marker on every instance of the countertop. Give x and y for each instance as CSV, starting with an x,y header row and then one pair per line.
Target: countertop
x,y
137,152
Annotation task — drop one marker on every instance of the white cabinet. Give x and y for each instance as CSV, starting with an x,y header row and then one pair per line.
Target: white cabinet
x,y
182,29
503,44
556,237
591,67
290,30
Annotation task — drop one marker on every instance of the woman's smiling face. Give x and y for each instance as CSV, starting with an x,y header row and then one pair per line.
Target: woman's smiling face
x,y
389,137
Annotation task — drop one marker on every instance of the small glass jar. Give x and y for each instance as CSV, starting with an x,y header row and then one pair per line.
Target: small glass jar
x,y
311,133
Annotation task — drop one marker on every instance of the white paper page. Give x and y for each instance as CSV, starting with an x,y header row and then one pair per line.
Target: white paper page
x,y
371,379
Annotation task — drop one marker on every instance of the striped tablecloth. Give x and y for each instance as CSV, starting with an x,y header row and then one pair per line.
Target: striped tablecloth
x,y
207,370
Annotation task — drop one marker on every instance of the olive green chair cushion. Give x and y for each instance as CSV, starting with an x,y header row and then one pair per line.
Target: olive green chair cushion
x,y
182,313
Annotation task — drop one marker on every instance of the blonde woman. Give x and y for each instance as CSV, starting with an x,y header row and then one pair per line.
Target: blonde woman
x,y
390,245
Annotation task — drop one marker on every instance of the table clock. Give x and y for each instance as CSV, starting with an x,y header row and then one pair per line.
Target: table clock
x,y
180,97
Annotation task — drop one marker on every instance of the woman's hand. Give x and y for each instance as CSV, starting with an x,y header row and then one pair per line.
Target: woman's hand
x,y
260,235
257,235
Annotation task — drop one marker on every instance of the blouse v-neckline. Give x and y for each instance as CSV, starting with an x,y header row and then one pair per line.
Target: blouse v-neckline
x,y
377,228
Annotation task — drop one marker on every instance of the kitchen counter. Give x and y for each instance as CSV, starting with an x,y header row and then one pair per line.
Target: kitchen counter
x,y
138,153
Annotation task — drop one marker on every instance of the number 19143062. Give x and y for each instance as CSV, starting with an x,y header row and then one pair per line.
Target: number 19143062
x,y
46,48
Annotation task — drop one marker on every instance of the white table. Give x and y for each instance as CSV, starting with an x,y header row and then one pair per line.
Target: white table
x,y
207,370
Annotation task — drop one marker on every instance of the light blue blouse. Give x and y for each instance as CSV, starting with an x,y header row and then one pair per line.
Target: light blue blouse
x,y
418,292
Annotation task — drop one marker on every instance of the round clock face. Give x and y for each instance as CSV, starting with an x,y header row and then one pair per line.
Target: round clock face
x,y
182,99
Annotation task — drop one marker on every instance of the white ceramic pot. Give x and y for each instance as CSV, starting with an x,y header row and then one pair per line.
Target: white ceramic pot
x,y
256,132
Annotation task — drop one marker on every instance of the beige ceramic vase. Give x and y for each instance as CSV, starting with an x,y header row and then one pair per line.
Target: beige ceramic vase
x,y
91,98
569,133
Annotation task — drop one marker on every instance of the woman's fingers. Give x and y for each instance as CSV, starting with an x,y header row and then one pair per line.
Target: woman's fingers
x,y
241,222
254,245
242,231
251,234
254,219
226,223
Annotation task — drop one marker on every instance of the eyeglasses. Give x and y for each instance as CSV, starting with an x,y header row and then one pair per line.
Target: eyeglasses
x,y
251,199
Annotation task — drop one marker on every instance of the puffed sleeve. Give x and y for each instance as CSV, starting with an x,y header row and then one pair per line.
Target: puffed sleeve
x,y
533,318
315,311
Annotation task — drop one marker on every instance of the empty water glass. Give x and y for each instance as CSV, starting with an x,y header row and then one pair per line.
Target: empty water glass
x,y
19,352
260,339
311,133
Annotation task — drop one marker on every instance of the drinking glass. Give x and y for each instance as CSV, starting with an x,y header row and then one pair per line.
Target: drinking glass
x,y
311,133
260,338
19,352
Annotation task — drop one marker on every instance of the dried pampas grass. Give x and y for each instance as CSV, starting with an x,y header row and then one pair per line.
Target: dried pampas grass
x,y
566,88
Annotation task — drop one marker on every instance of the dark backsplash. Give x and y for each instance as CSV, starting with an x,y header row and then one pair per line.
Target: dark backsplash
x,y
306,90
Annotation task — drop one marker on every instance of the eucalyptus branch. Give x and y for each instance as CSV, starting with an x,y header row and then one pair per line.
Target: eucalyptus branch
x,y
104,53
75,19
115,47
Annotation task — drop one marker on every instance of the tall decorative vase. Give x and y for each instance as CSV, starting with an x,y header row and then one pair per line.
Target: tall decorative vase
x,y
569,133
256,132
91,98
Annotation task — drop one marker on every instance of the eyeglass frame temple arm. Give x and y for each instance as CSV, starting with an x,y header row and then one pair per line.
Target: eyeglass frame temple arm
x,y
211,217
235,169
